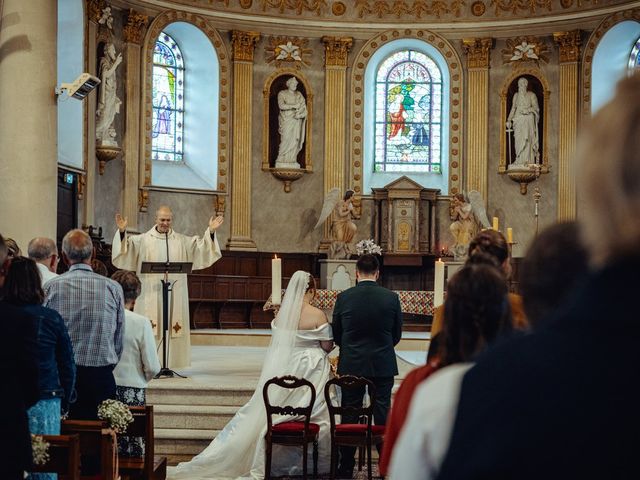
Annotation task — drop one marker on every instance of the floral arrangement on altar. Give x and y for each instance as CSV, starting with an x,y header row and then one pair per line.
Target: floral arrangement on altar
x,y
40,449
116,414
364,247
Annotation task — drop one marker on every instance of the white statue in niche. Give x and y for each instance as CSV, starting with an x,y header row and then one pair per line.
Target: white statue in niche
x,y
108,103
523,122
292,122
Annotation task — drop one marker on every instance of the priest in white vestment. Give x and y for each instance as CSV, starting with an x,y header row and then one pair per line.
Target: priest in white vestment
x,y
162,244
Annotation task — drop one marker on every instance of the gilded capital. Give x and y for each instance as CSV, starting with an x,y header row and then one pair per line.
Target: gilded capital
x,y
94,9
135,28
478,51
336,50
568,45
243,45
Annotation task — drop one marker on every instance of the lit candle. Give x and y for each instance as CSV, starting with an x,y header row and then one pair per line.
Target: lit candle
x,y
276,280
438,284
509,235
495,223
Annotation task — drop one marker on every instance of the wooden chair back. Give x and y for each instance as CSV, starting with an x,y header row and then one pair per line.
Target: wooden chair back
x,y
150,466
288,382
64,457
97,441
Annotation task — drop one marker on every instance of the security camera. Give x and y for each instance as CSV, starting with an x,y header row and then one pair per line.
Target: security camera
x,y
80,87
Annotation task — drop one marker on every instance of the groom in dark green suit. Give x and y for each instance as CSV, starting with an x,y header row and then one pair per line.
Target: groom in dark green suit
x,y
367,323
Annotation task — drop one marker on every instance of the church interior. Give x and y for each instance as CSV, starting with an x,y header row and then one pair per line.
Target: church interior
x,y
427,121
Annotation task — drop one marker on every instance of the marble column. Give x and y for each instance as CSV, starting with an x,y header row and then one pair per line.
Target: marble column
x,y
28,120
569,48
133,34
335,107
478,52
243,46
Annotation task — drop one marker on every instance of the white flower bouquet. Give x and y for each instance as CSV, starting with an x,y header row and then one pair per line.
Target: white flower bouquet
x,y
40,449
364,247
116,414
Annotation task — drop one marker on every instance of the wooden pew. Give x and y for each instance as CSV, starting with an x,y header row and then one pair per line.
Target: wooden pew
x,y
64,457
96,444
151,466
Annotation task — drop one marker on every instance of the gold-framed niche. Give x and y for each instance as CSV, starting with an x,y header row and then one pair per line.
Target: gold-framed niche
x,y
538,84
271,136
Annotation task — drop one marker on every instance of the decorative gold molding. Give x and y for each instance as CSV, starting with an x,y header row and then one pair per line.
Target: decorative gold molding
x,y
590,48
265,122
336,50
520,6
286,51
417,8
357,128
299,6
143,199
134,30
544,156
243,45
478,51
157,25
94,9
523,50
568,45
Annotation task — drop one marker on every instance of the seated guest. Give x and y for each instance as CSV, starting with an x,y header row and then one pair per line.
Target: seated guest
x,y
45,253
562,402
19,373
555,263
92,307
492,243
139,361
57,369
477,313
402,400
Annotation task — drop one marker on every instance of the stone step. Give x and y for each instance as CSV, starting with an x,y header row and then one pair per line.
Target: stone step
x,y
181,444
158,394
192,416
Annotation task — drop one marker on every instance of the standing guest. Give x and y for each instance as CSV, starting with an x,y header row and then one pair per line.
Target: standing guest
x,y
139,361
367,324
57,369
44,252
19,373
477,313
92,307
492,243
163,244
542,406
13,250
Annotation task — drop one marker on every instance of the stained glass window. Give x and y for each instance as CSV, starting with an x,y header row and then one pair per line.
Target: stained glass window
x,y
634,58
168,100
408,114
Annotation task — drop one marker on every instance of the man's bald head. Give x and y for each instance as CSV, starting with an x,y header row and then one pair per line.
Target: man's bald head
x,y
164,218
77,247
44,250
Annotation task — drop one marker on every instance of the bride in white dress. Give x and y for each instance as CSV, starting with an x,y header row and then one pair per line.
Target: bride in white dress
x,y
301,338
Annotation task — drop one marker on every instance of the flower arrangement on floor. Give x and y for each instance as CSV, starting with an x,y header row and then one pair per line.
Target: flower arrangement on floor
x,y
116,414
364,247
40,449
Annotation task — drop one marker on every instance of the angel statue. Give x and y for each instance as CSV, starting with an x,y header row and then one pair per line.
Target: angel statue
x,y
468,217
342,227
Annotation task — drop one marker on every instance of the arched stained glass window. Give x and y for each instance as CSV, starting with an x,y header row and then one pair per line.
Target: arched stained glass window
x,y
408,114
634,58
168,100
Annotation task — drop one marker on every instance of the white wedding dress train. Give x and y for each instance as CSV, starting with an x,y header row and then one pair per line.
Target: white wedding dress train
x,y
237,452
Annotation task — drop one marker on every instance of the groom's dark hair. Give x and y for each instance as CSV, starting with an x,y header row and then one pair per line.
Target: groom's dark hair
x,y
367,264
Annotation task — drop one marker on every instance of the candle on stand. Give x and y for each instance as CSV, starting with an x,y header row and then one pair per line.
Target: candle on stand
x,y
495,223
509,235
438,284
276,280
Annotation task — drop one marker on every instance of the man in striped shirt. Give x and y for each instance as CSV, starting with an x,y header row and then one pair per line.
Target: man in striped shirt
x,y
93,310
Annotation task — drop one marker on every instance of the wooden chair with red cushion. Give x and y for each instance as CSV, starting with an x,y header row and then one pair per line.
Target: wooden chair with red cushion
x,y
295,432
362,434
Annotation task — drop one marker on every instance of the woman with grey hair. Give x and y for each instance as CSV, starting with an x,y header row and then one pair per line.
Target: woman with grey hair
x,y
139,361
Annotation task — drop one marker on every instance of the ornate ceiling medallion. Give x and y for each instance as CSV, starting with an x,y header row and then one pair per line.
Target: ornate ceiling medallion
x,y
522,50
288,51
478,8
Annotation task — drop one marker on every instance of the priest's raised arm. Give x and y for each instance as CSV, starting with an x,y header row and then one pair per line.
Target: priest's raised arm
x,y
162,244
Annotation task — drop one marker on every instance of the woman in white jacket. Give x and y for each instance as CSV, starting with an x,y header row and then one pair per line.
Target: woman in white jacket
x,y
139,361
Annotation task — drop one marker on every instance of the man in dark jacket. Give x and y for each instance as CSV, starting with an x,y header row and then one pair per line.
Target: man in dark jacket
x,y
367,324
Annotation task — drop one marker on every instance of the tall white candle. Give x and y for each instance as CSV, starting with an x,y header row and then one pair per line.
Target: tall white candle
x,y
495,223
276,280
438,284
509,235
